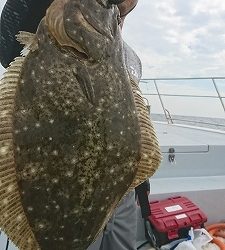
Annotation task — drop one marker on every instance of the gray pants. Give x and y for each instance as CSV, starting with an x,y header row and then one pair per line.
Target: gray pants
x,y
120,232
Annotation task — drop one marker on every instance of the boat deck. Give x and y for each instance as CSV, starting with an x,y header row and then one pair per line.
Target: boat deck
x,y
198,170
198,158
177,134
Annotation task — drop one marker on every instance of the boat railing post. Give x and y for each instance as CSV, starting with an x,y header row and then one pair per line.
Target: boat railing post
x,y
218,93
161,101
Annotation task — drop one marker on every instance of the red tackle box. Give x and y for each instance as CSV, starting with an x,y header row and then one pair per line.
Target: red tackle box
x,y
172,219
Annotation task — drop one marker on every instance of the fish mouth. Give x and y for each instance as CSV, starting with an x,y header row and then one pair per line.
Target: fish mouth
x,y
89,25
94,25
74,23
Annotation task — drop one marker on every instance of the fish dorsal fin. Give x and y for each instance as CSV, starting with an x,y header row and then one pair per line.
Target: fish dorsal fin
x,y
13,220
150,150
29,40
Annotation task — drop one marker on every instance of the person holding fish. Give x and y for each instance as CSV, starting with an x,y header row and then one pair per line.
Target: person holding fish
x,y
83,43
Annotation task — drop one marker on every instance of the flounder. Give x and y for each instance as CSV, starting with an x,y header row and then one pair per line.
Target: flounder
x,y
75,135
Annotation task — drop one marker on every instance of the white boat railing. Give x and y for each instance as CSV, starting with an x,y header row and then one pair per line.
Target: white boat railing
x,y
4,244
154,87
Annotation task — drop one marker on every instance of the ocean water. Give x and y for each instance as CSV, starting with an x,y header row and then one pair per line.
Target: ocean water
x,y
206,122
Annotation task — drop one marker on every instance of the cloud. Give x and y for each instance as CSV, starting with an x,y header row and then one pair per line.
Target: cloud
x,y
215,7
178,37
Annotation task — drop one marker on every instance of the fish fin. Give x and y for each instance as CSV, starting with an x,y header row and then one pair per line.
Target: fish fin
x,y
29,40
13,220
150,157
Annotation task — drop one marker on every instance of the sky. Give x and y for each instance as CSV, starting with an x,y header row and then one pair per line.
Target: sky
x,y
179,38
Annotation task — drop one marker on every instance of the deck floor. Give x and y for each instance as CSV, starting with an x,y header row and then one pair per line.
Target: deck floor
x,y
176,134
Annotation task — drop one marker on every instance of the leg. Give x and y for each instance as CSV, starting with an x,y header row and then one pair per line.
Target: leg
x,y
96,244
120,232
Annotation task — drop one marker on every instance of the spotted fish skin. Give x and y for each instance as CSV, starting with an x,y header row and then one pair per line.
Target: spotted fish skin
x,y
76,132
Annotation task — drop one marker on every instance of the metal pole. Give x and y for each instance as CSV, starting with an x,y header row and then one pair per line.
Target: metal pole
x,y
164,110
7,244
218,93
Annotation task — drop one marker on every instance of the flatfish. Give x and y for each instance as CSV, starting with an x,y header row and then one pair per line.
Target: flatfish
x,y
75,135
